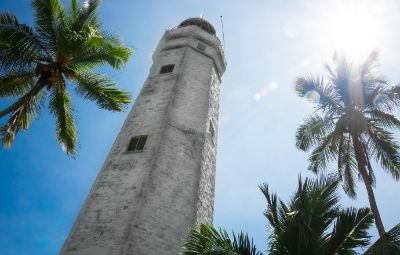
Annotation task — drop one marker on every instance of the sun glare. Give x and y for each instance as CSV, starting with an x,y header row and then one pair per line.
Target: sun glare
x,y
354,27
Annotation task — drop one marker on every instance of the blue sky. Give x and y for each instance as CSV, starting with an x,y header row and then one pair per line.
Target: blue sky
x,y
268,44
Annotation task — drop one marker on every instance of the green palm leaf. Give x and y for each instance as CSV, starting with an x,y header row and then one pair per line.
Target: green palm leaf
x,y
324,152
350,231
385,149
313,129
207,240
104,50
21,118
101,90
60,106
384,119
49,16
347,165
58,55
16,83
20,46
389,244
329,101
86,15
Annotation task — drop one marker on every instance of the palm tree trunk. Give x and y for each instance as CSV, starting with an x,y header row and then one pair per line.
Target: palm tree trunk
x,y
361,163
21,101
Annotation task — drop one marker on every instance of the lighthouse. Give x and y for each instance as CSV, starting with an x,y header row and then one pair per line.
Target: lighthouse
x,y
158,179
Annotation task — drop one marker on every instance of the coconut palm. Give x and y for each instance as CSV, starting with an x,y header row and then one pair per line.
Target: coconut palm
x,y
353,125
313,222
40,64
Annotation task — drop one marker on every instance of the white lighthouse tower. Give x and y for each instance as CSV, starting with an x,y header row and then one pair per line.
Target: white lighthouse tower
x,y
158,180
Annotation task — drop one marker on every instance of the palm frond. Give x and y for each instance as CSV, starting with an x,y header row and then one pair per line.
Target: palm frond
x,y
370,64
313,130
60,106
83,31
73,13
328,100
117,53
244,245
299,227
104,50
279,222
21,118
102,90
86,15
385,149
273,212
49,16
393,96
389,244
206,240
20,46
16,83
319,200
22,100
381,118
347,165
350,231
370,78
383,97
325,152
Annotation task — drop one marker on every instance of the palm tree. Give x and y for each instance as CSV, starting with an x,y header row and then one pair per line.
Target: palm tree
x,y
313,222
352,125
38,64
304,225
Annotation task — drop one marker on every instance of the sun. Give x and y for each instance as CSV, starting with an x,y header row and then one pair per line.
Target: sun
x,y
354,27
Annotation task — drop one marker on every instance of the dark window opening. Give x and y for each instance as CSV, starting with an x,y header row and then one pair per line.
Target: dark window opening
x,y
167,69
201,47
137,143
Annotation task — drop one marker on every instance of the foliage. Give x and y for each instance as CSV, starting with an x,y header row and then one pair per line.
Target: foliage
x,y
352,124
210,241
312,222
352,101
38,64
389,244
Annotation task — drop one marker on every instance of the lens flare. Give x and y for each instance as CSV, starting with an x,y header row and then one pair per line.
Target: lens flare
x,y
313,96
380,99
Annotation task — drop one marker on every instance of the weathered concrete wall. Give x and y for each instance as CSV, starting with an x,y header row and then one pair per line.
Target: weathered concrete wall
x,y
145,203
